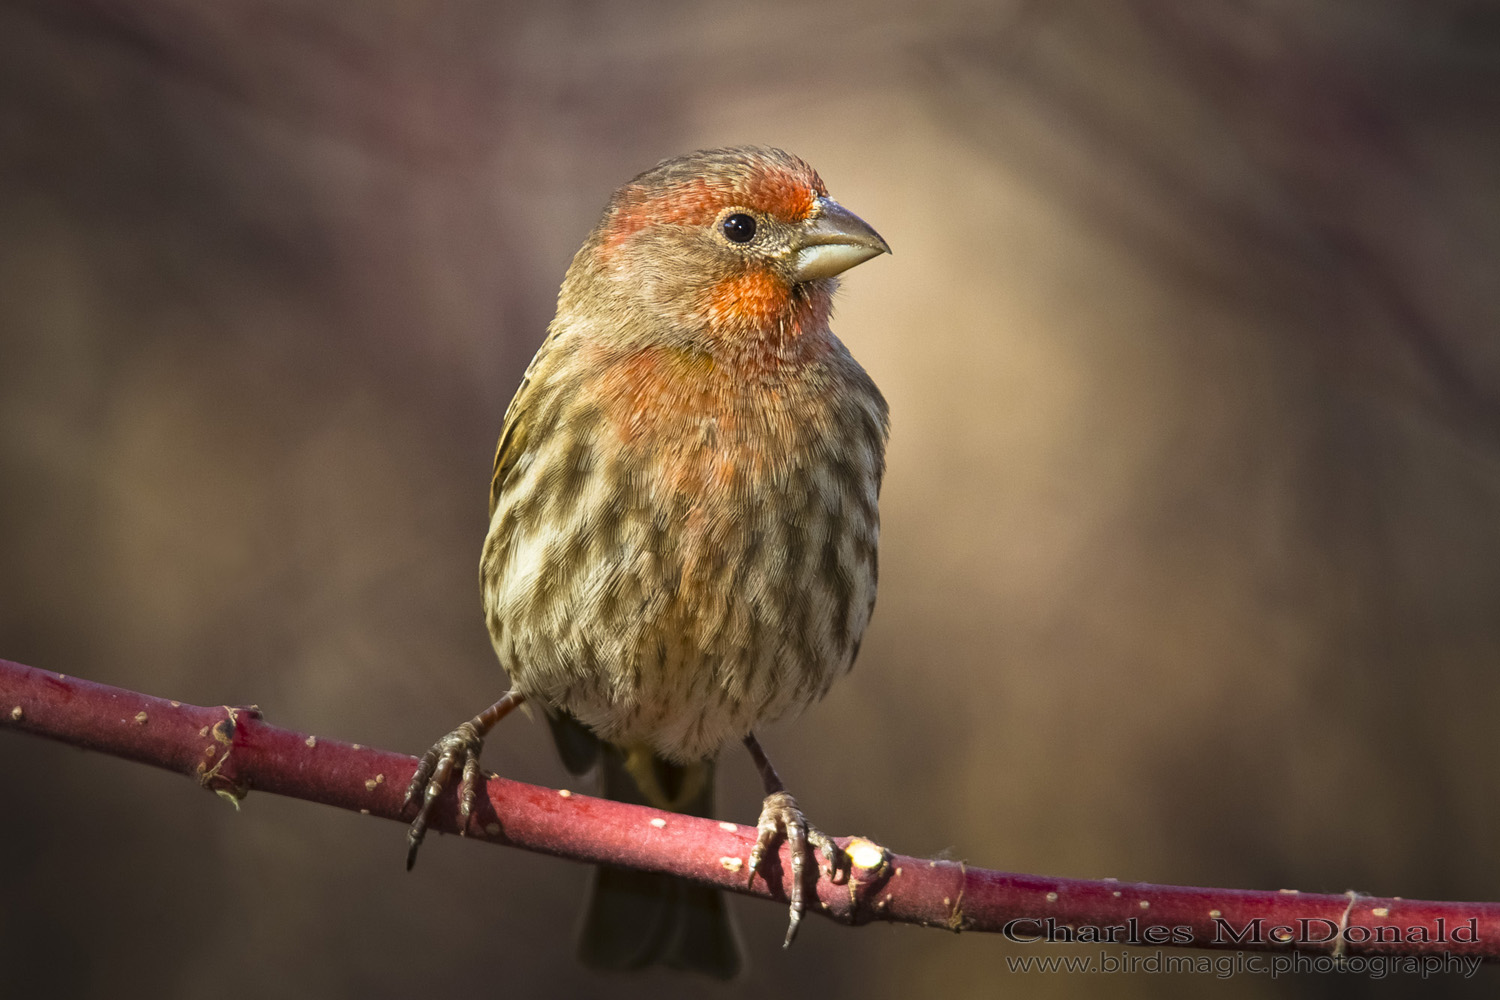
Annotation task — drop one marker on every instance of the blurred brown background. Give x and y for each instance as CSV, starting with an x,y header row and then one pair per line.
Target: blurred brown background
x,y
1191,561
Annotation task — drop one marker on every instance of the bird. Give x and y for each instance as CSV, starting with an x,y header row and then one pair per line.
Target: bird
x,y
684,521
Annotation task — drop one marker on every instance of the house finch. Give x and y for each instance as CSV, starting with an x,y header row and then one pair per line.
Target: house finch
x,y
683,517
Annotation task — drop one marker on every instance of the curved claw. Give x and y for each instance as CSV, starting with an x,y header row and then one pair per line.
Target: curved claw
x,y
434,772
780,816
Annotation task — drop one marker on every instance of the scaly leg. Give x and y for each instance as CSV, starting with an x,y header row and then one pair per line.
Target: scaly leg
x,y
780,816
461,746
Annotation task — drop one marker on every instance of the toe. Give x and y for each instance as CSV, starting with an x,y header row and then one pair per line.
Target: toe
x,y
780,817
459,749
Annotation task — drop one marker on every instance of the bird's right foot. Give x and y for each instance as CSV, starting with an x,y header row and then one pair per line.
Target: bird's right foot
x,y
458,750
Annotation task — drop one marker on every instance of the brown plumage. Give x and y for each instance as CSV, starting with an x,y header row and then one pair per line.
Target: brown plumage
x,y
683,518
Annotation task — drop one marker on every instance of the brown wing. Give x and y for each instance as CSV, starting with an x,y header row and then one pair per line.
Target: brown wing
x,y
514,429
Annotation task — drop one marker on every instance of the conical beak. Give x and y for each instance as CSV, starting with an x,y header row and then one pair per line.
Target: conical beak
x,y
832,240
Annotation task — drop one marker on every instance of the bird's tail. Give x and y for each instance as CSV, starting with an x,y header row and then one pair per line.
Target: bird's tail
x,y
634,919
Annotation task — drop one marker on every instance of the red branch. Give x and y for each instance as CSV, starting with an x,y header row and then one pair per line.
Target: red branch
x,y
232,750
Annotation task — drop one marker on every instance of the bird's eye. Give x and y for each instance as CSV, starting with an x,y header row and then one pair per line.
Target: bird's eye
x,y
739,228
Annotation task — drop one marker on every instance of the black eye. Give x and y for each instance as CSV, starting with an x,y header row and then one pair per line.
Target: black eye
x,y
739,228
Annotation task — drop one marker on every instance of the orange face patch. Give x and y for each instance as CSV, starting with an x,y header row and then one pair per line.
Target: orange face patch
x,y
785,194
755,298
695,203
758,326
777,191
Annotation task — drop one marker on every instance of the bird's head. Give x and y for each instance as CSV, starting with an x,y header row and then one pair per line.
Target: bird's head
x,y
727,245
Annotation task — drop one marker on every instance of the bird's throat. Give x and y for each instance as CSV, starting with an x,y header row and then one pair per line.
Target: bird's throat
x,y
758,327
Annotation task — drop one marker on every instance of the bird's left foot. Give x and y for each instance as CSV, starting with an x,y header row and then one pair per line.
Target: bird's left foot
x,y
780,816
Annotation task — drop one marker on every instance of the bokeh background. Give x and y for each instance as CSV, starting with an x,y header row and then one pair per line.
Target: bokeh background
x,y
1191,560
